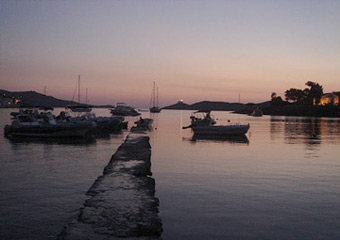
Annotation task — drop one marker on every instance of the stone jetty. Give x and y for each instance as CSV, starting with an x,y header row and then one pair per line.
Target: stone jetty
x,y
122,201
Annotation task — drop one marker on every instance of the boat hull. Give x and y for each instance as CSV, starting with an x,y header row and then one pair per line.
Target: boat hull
x,y
155,110
80,108
108,123
125,114
230,130
227,138
48,131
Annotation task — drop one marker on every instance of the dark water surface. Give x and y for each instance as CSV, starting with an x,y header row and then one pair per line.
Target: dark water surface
x,y
43,184
281,182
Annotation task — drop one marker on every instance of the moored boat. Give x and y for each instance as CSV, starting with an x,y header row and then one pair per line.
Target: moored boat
x,y
142,125
257,112
103,124
123,110
144,122
154,101
155,109
26,125
80,108
204,126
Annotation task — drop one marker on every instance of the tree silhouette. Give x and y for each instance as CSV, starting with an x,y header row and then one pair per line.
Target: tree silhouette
x,y
295,95
314,93
273,95
311,95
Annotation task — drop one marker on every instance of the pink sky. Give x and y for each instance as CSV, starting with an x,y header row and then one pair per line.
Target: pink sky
x,y
194,50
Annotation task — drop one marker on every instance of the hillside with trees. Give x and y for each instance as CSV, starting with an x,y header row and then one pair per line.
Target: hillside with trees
x,y
301,102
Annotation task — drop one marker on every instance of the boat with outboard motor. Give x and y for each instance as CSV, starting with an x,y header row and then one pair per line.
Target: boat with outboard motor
x,y
45,125
142,125
206,126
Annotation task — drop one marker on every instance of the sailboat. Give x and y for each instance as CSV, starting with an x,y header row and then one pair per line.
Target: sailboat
x,y
154,100
80,107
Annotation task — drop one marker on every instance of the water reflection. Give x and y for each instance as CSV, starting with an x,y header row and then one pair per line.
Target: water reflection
x,y
154,116
276,127
242,139
312,132
311,129
53,141
304,130
91,140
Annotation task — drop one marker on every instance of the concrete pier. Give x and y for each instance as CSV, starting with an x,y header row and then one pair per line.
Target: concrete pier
x,y
122,201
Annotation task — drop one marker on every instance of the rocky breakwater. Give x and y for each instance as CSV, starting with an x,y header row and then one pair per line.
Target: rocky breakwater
x,y
122,202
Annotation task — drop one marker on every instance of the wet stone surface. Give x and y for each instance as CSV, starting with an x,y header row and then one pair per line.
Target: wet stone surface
x,y
122,201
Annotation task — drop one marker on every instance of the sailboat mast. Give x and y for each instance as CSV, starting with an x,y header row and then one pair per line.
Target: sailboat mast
x,y
78,88
86,96
153,97
157,98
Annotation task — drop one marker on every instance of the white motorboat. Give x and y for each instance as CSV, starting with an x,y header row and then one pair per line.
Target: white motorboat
x,y
205,126
123,110
104,124
27,125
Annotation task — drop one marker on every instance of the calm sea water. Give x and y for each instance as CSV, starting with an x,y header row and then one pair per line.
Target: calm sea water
x,y
281,182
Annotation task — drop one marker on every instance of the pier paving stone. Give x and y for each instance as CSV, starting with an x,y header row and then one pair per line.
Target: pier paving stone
x,y
122,201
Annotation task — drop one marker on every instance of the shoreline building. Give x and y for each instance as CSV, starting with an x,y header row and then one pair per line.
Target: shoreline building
x,y
330,99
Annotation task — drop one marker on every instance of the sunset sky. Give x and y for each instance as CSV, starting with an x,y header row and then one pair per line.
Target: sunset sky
x,y
193,50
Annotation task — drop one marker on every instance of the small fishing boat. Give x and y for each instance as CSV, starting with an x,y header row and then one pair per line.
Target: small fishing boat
x,y
205,125
144,122
256,113
123,110
142,125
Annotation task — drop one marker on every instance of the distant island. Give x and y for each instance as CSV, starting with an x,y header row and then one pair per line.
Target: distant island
x,y
273,108
34,99
310,102
207,105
